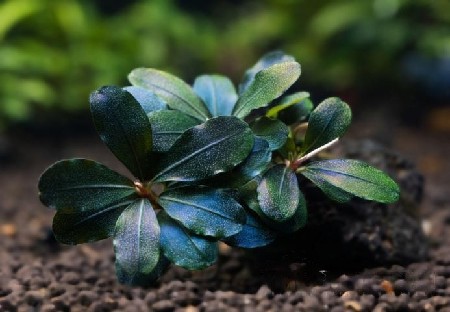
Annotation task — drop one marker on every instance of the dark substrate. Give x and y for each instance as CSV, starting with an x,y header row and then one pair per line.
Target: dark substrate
x,y
38,274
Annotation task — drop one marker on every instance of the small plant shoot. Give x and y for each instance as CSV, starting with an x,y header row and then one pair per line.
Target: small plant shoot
x,y
209,163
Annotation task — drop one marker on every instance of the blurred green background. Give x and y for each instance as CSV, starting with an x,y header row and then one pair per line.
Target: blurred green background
x,y
53,53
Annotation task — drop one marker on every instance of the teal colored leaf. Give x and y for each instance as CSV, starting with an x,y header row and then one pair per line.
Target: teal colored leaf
x,y
172,90
327,122
264,62
76,227
273,131
293,224
183,248
81,185
204,211
216,146
254,234
296,113
267,85
124,127
167,126
354,177
278,193
148,100
217,92
286,102
255,163
136,243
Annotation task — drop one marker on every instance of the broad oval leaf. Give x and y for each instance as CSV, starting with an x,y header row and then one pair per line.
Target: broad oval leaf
x,y
216,146
267,85
167,126
217,92
77,227
354,177
286,102
254,234
278,193
204,211
327,122
265,61
273,131
149,101
136,243
255,163
124,127
174,91
183,248
293,224
79,185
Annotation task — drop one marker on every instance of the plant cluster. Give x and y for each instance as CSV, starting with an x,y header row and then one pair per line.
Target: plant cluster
x,y
209,163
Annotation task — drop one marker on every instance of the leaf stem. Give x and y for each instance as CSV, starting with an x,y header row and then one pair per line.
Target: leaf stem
x,y
295,164
146,192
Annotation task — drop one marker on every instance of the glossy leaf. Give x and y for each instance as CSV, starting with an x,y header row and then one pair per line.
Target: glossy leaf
x,y
327,122
273,131
286,102
167,126
146,279
79,185
266,61
267,85
204,211
216,146
124,127
278,193
331,191
354,177
183,248
293,224
217,92
148,100
296,113
77,227
136,242
254,234
174,91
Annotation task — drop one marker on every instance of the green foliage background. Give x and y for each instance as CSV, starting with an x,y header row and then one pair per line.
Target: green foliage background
x,y
54,53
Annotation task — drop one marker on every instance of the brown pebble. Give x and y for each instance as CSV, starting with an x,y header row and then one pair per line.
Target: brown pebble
x,y
353,305
387,287
8,229
163,306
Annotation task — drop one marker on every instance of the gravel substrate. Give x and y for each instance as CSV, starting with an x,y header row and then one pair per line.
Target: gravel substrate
x,y
38,274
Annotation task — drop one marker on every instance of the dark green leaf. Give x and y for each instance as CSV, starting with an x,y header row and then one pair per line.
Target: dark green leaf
x,y
204,211
77,227
254,234
136,243
183,248
286,102
174,91
296,113
216,146
327,122
293,224
148,100
123,125
278,193
331,191
273,131
266,61
217,92
253,165
354,177
167,126
80,185
267,85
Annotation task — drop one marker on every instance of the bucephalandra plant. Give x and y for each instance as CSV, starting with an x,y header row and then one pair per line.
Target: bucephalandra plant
x,y
206,167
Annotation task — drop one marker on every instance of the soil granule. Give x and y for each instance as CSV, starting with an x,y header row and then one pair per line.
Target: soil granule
x,y
38,274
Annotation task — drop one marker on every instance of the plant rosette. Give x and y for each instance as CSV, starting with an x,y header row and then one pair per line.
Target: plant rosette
x,y
209,163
